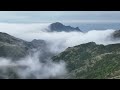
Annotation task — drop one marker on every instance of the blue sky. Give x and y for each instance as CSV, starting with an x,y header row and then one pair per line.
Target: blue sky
x,y
61,16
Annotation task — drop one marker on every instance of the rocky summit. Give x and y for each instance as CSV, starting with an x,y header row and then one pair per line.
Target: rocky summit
x,y
60,27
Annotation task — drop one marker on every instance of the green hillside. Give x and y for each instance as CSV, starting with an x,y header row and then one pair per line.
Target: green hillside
x,y
92,61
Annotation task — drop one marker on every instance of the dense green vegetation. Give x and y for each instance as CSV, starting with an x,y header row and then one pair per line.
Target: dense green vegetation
x,y
92,61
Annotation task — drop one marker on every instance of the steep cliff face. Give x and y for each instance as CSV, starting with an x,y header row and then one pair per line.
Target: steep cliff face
x,y
91,61
60,27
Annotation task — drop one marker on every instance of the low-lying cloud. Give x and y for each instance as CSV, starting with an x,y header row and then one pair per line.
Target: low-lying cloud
x,y
31,67
59,41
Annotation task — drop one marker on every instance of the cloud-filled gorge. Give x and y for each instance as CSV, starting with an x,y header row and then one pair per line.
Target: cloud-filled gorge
x,y
56,43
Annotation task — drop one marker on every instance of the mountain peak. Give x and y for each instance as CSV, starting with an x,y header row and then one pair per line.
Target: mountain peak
x,y
57,23
57,26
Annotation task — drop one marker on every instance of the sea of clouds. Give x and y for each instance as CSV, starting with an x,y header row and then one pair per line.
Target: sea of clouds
x,y
56,41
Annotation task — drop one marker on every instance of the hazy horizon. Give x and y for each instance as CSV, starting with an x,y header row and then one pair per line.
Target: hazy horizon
x,y
59,16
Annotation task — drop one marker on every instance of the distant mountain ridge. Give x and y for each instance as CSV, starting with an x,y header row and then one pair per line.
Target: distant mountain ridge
x,y
57,26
